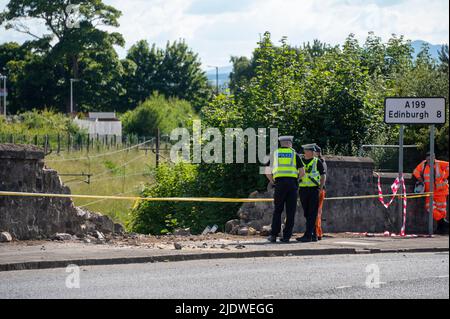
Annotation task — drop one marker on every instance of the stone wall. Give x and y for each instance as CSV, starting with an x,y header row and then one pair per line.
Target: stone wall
x,y
22,170
347,176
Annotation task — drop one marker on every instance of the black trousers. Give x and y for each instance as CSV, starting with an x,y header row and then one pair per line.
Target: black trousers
x,y
309,197
286,190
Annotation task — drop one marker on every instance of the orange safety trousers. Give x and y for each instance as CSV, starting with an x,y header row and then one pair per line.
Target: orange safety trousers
x,y
319,231
439,206
440,190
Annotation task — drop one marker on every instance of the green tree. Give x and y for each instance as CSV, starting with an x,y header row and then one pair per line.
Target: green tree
x,y
174,72
66,44
158,112
12,51
425,79
144,78
31,78
316,50
443,58
243,71
336,95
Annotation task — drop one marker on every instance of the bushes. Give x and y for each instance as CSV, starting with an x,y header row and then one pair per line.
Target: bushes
x,y
162,217
38,123
187,180
158,112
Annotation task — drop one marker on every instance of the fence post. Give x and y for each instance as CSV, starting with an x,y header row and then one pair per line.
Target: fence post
x,y
80,142
59,143
46,144
68,142
158,141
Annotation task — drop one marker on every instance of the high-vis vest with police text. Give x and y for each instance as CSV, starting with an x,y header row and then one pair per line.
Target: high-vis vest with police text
x,y
285,163
312,174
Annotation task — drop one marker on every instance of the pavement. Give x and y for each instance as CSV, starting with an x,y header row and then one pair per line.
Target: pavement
x,y
49,254
391,276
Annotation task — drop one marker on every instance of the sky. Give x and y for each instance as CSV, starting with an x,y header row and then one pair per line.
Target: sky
x,y
218,29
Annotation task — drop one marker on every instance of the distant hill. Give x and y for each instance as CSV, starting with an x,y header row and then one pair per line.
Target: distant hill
x,y
224,76
434,48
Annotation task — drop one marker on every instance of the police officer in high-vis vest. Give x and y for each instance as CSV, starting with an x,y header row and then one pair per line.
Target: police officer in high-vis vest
x,y
284,173
310,188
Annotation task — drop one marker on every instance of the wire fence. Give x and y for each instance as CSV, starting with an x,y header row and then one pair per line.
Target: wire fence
x,y
61,143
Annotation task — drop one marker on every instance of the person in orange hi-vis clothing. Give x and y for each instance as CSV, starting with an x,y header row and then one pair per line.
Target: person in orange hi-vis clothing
x,y
422,174
319,231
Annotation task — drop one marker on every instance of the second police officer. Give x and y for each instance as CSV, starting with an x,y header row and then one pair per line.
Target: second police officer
x,y
310,187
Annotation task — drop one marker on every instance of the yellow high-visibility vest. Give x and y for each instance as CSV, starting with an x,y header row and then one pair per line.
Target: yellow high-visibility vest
x,y
312,174
285,163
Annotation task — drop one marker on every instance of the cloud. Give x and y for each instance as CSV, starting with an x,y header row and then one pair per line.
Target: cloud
x,y
217,29
218,6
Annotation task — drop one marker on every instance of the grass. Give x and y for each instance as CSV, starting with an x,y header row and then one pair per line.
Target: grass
x,y
121,173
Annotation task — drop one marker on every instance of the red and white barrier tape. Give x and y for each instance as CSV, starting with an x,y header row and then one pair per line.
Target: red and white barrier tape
x,y
388,234
395,187
403,230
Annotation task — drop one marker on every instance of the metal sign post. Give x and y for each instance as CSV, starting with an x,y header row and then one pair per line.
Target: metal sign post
x,y
417,110
400,172
432,164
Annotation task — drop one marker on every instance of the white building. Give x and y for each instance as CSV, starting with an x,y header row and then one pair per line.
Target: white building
x,y
101,124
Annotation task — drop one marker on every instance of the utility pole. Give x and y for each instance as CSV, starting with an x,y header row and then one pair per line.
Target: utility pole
x,y
217,81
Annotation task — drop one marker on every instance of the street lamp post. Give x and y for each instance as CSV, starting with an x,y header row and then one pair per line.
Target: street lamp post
x,y
3,77
217,77
71,94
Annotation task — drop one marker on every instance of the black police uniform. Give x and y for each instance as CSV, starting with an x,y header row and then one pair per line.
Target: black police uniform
x,y
286,194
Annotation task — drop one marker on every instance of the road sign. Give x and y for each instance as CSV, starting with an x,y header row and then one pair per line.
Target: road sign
x,y
2,93
415,110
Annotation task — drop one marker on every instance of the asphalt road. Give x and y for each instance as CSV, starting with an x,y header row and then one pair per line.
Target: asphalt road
x,y
423,275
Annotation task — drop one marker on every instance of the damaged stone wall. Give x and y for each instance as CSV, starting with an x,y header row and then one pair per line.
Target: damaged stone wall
x,y
347,176
22,170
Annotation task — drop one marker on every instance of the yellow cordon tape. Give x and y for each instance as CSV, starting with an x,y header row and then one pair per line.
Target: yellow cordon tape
x,y
152,199
192,199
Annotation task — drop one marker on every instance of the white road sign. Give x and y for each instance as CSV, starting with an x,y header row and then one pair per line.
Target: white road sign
x,y
415,110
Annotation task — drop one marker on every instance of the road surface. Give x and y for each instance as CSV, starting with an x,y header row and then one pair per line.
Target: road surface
x,y
424,275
